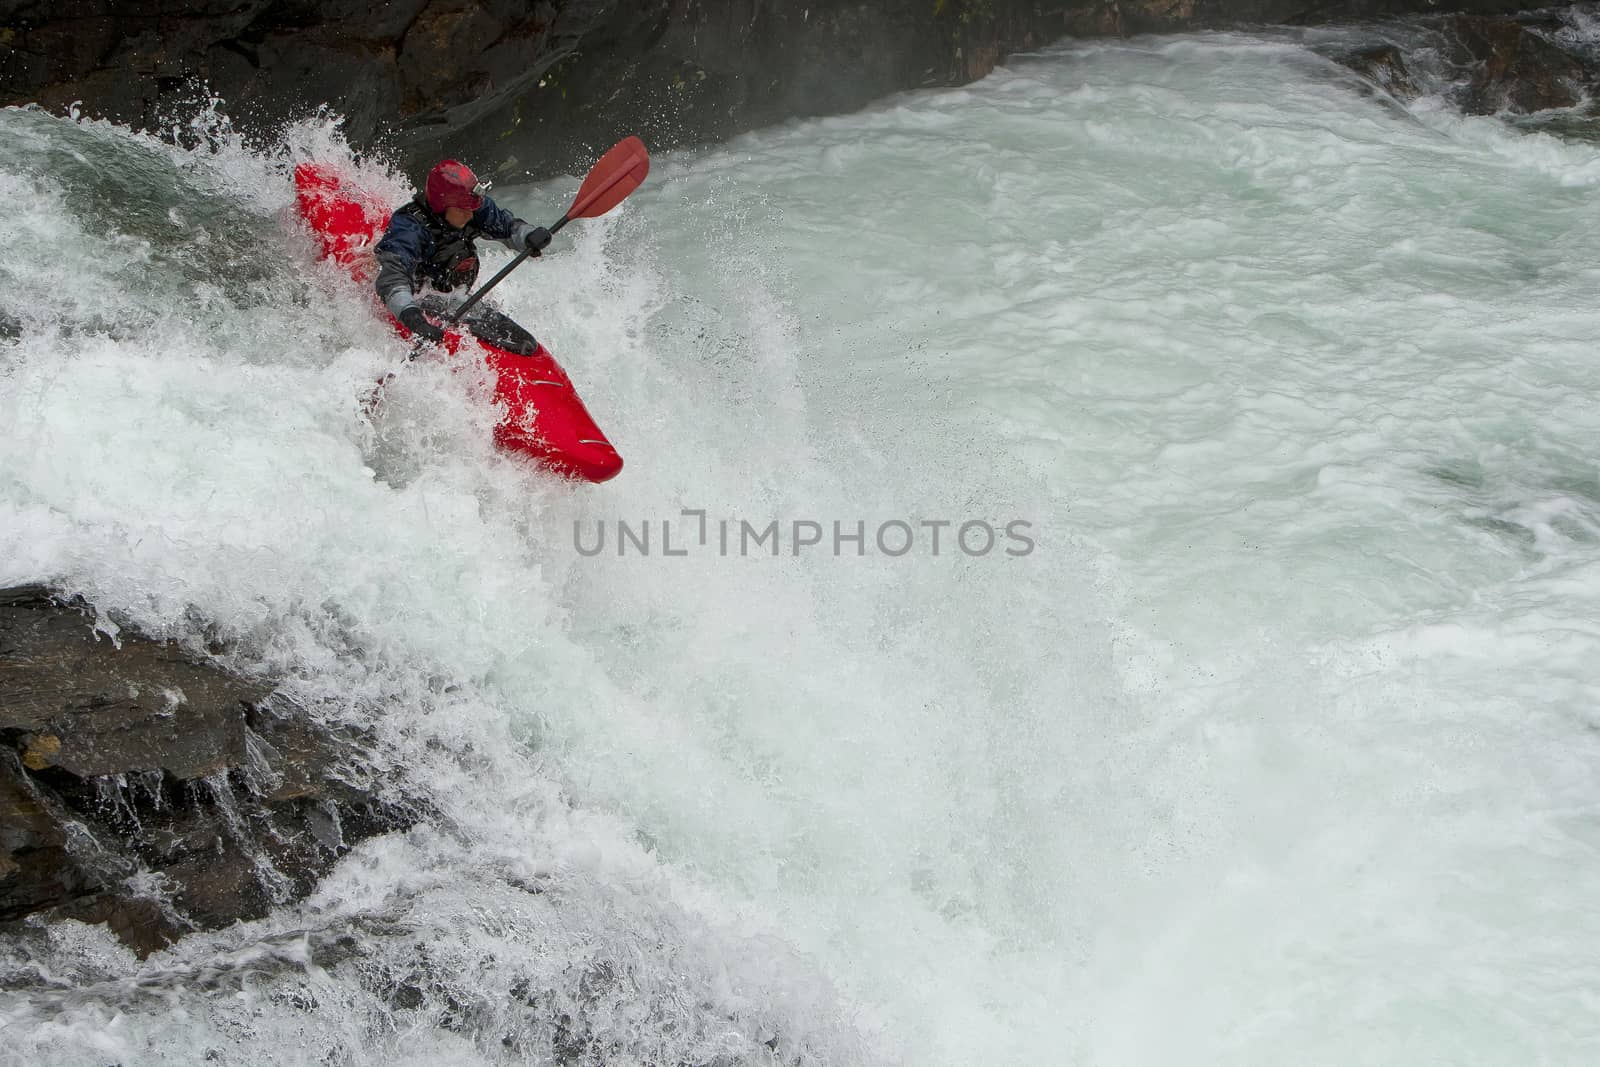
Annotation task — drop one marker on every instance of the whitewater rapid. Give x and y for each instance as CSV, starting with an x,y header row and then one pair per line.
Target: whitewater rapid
x,y
1279,744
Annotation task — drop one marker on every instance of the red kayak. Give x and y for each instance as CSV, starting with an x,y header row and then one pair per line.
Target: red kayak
x,y
544,418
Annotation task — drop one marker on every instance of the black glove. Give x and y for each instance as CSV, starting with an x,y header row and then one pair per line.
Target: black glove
x,y
536,239
414,320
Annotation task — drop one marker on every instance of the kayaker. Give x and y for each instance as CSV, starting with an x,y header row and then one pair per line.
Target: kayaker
x,y
429,244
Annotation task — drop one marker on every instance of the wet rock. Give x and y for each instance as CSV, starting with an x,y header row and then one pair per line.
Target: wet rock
x,y
1383,66
1516,68
76,702
541,86
147,789
685,73
401,71
1530,66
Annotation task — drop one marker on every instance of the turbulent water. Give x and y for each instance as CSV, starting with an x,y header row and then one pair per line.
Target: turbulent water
x,y
1271,739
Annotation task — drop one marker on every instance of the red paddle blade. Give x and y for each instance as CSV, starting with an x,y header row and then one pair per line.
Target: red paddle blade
x,y
618,173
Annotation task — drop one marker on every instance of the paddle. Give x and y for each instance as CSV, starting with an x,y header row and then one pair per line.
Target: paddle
x,y
617,174
610,180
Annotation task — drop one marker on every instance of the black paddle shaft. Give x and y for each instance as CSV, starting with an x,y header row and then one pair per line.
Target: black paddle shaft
x,y
467,304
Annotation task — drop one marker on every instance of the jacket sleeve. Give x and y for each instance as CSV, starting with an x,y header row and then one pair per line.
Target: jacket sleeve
x,y
399,252
494,221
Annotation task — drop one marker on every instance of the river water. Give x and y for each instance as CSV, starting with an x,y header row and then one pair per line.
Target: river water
x,y
1245,712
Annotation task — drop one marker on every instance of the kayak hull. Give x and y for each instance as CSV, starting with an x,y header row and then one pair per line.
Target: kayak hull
x,y
542,416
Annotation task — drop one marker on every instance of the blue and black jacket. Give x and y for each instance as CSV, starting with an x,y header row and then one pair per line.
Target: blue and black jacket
x,y
421,248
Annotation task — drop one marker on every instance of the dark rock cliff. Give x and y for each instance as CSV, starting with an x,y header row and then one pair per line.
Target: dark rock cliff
x,y
552,81
146,789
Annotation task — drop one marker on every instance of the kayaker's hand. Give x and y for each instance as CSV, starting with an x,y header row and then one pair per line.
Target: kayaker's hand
x,y
414,320
536,239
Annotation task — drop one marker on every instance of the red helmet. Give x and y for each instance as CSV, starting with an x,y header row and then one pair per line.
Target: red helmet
x,y
452,184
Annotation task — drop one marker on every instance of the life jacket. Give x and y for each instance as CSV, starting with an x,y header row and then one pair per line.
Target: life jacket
x,y
455,258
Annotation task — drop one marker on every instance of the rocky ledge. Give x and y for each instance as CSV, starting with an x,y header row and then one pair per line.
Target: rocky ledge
x,y
145,788
541,85
1517,65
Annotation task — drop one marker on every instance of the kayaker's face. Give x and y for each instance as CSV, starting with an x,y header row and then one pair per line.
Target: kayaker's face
x,y
457,216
